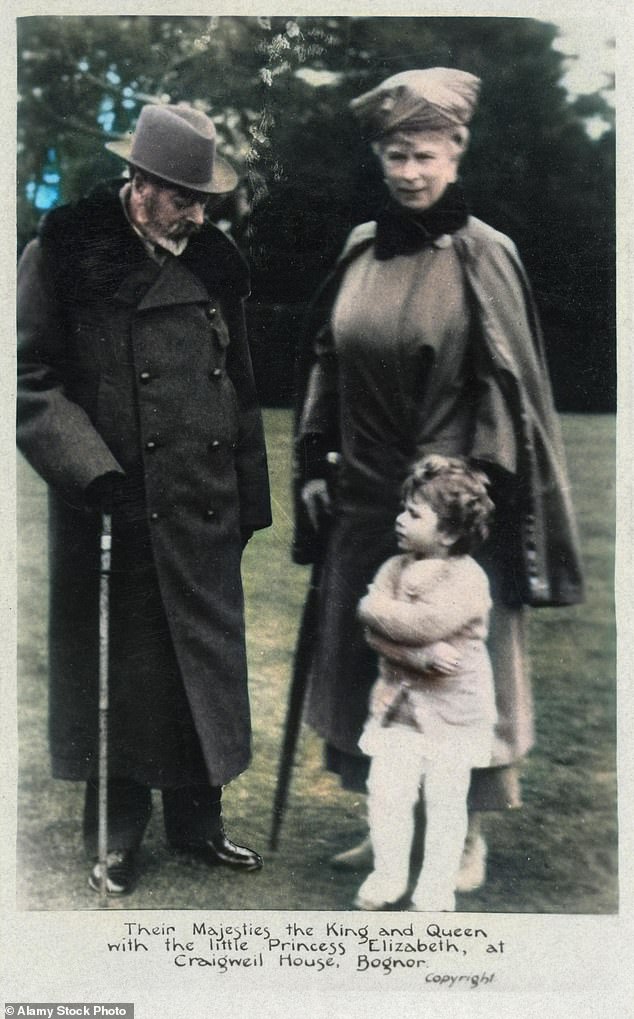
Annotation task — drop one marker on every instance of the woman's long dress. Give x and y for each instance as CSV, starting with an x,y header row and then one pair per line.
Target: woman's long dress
x,y
401,357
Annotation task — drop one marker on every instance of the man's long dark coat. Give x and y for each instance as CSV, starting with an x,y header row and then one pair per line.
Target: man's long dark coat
x,y
130,367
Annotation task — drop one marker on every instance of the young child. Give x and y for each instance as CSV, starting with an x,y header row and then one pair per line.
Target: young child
x,y
432,710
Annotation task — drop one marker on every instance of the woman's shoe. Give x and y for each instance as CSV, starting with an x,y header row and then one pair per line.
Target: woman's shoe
x,y
359,857
473,865
120,873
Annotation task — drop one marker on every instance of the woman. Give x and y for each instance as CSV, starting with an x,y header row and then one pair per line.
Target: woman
x,y
425,340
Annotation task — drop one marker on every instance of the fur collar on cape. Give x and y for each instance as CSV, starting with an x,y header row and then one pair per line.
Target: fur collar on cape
x,y
91,248
399,232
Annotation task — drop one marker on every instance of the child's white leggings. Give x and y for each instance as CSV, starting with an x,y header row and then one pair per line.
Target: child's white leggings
x,y
398,769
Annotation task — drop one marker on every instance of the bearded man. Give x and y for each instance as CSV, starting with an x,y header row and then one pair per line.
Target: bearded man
x,y
136,397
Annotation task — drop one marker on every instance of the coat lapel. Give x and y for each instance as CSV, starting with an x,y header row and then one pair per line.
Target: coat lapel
x,y
175,284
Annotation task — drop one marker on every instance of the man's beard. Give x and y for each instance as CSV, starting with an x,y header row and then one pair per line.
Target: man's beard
x,y
174,243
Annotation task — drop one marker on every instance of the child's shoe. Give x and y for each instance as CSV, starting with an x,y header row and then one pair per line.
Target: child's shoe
x,y
376,894
442,904
365,902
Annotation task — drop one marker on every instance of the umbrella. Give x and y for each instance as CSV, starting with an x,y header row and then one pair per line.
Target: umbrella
x,y
301,671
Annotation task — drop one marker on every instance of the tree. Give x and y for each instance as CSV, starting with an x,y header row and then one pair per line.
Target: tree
x,y
278,89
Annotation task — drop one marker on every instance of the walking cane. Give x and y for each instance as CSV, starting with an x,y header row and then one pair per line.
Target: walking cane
x,y
105,545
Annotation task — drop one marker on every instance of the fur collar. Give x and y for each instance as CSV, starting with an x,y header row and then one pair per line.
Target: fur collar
x,y
399,232
91,249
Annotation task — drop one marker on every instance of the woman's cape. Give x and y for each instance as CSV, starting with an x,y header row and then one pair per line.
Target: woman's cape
x,y
550,571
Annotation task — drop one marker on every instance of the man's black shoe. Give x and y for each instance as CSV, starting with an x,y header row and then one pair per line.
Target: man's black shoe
x,y
221,850
121,873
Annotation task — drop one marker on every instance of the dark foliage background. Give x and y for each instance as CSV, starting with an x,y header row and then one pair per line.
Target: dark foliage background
x,y
278,89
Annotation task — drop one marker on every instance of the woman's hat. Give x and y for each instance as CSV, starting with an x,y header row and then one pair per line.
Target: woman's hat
x,y
426,100
177,144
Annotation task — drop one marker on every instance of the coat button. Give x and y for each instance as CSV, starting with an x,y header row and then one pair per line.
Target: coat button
x,y
150,446
215,444
216,373
210,312
144,377
154,515
210,513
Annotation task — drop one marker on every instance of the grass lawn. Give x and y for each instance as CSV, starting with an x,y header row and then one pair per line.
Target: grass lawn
x,y
556,855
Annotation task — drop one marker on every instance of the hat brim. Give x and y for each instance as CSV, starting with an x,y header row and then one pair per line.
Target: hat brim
x,y
224,178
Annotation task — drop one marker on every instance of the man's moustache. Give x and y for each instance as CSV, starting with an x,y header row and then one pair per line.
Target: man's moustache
x,y
186,230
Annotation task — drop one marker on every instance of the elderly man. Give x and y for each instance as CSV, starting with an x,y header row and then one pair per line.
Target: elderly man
x,y
136,396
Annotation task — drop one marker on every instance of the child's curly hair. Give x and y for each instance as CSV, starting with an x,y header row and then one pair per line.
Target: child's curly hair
x,y
457,493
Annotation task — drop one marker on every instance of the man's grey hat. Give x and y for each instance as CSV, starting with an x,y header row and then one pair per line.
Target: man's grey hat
x,y
177,144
